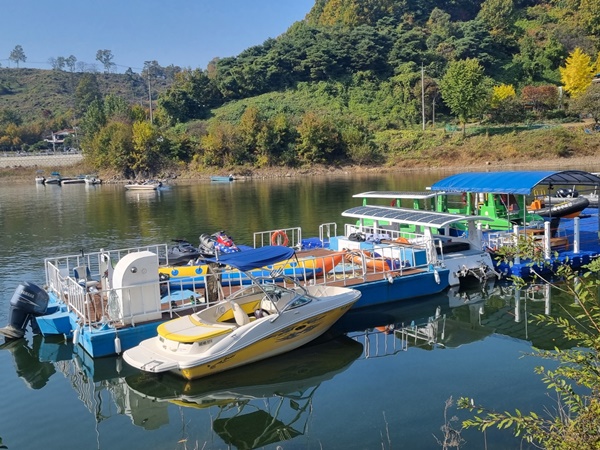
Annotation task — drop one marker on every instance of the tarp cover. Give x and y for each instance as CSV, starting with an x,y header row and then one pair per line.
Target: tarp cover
x,y
255,257
513,182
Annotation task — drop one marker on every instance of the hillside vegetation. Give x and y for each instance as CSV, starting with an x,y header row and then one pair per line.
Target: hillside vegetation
x,y
363,82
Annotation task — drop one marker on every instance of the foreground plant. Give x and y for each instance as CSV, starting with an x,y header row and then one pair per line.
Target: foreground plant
x,y
575,421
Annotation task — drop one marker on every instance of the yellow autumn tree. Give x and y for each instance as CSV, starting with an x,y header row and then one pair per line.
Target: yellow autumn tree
x,y
578,72
501,93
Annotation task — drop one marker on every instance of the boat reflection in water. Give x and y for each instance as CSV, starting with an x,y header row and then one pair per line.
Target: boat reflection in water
x,y
262,403
259,404
460,316
272,401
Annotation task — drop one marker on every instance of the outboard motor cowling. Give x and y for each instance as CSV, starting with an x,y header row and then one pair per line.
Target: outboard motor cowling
x,y
27,302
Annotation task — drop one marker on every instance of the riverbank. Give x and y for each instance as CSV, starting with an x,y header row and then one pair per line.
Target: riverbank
x,y
586,163
567,146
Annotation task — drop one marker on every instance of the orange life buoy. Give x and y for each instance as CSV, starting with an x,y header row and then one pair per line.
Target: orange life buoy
x,y
280,237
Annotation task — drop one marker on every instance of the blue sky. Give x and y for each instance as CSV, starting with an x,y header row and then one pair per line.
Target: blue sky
x,y
186,33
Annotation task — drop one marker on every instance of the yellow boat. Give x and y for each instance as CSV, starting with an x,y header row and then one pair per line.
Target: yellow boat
x,y
256,322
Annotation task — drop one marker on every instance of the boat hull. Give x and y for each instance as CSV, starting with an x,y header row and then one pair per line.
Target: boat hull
x,y
260,339
407,286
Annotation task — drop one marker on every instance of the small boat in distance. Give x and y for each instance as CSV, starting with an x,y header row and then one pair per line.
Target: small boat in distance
x,y
222,178
74,180
39,177
149,185
254,323
92,180
55,178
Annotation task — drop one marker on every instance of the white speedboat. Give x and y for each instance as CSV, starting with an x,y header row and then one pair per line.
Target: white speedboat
x,y
92,180
143,186
254,323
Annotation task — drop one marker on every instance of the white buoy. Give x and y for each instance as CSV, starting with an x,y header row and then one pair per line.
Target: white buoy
x,y
436,275
76,336
117,345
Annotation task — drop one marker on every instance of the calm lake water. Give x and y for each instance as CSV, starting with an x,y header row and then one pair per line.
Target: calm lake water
x,y
358,388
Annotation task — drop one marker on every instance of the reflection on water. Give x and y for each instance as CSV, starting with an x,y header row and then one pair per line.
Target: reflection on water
x,y
349,401
263,403
460,316
271,401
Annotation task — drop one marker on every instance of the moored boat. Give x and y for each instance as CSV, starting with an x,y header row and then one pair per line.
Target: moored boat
x,y
564,207
257,322
182,252
54,178
92,180
560,239
144,186
222,178
39,177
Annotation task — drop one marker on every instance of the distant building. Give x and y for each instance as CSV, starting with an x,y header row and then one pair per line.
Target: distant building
x,y
58,137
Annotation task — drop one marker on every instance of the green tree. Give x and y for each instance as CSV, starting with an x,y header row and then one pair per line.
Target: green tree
x,y
588,103
145,157
86,92
111,148
577,73
318,138
105,58
498,15
589,11
464,89
71,61
17,55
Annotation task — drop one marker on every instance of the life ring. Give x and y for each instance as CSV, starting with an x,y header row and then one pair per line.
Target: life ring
x,y
280,237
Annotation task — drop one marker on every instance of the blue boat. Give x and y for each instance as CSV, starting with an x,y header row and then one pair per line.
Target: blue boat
x,y
575,240
109,301
237,278
222,178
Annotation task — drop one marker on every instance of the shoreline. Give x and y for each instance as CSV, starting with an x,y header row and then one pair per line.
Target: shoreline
x,y
585,163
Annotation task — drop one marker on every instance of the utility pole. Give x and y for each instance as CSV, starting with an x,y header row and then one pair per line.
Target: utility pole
x,y
149,90
423,94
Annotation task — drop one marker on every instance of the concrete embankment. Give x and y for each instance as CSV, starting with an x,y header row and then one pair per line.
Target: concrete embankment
x,y
60,160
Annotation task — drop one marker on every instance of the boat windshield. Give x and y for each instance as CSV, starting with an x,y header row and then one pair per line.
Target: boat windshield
x,y
297,302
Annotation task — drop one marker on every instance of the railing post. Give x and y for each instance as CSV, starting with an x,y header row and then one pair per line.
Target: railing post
x,y
516,232
576,235
547,235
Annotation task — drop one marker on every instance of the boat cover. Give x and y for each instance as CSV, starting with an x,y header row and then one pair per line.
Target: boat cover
x,y
521,183
408,216
397,194
254,258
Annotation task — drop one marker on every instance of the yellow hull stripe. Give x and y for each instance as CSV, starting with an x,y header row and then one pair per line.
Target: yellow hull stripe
x,y
284,340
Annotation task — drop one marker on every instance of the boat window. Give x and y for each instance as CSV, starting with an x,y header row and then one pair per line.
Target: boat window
x,y
298,301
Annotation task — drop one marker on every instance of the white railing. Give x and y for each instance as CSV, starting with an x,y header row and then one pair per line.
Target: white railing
x,y
289,237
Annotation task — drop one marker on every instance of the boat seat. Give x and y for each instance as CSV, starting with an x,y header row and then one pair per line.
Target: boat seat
x,y
82,274
267,304
241,318
189,329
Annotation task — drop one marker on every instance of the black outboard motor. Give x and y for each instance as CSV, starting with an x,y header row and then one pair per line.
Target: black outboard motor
x,y
28,301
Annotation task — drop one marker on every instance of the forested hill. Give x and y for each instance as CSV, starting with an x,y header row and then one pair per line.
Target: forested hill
x,y
360,42
353,81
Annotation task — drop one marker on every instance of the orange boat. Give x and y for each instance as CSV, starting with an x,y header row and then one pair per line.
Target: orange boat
x,y
376,263
323,264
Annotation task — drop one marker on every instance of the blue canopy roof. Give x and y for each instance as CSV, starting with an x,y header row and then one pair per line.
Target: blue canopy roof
x,y
513,182
254,258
